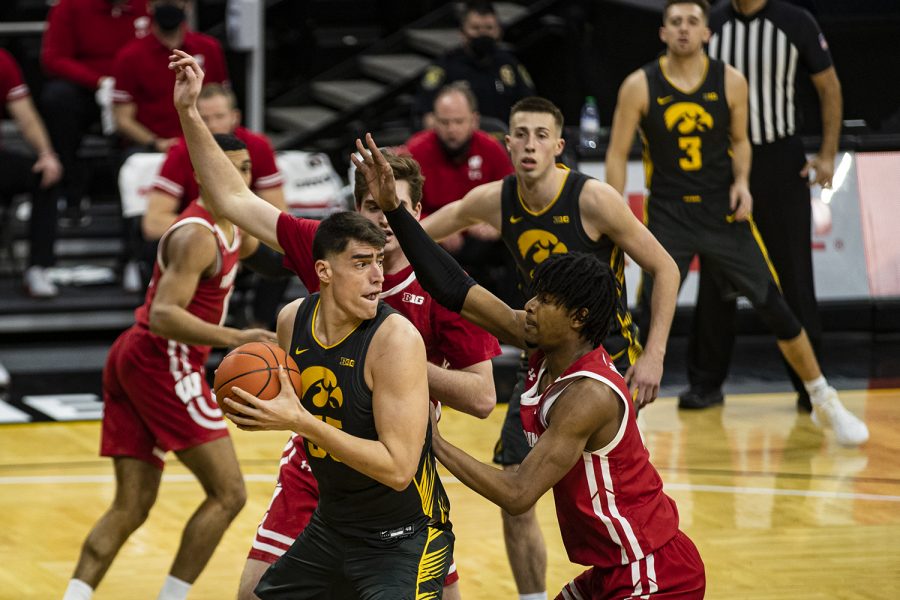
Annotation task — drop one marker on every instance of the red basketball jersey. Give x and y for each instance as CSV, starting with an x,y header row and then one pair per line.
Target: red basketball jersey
x,y
610,506
210,300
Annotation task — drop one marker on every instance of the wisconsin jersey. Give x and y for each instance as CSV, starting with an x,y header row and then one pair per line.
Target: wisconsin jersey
x,y
532,237
686,137
610,506
210,300
334,390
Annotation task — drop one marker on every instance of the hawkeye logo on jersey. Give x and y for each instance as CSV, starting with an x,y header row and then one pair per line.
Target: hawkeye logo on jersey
x,y
323,398
413,299
536,246
688,117
347,362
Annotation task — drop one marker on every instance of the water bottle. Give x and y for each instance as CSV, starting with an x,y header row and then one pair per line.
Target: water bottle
x,y
590,124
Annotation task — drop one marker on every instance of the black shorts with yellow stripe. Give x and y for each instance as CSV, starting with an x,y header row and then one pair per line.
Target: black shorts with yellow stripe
x,y
324,564
734,249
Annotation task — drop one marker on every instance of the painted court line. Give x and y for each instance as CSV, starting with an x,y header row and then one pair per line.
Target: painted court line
x,y
686,487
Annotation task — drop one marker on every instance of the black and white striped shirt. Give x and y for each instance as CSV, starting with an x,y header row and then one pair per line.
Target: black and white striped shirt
x,y
766,48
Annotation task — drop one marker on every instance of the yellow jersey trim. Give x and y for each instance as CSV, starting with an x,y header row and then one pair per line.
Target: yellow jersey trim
x,y
552,202
312,329
662,69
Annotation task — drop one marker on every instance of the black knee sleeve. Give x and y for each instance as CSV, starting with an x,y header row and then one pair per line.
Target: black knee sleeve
x,y
778,316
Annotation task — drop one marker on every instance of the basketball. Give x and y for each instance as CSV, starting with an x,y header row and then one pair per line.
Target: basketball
x,y
253,367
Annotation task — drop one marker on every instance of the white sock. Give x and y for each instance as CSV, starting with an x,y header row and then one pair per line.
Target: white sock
x,y
174,589
535,596
78,590
816,388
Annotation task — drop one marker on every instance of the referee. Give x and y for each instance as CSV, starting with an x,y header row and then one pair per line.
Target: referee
x,y
767,40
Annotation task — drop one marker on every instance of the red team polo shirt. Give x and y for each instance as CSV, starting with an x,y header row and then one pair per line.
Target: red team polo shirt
x,y
84,36
445,181
176,177
143,77
12,87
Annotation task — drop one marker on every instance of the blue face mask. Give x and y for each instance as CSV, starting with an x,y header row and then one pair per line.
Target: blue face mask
x,y
169,17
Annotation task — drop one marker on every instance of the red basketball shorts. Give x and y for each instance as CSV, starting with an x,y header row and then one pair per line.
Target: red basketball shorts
x,y
674,571
155,399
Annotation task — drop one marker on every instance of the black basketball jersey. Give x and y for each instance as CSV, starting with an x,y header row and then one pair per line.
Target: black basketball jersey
x,y
686,137
334,390
533,236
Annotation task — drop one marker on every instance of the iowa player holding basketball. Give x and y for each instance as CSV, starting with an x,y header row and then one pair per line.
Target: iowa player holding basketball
x,y
577,414
156,399
381,527
692,114
545,209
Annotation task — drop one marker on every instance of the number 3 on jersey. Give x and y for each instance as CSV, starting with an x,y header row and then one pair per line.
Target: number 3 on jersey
x,y
693,160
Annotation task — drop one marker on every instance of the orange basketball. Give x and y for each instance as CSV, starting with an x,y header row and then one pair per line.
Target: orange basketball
x,y
253,367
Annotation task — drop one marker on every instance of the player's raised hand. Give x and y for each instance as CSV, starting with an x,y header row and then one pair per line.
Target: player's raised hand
x,y
377,172
282,413
188,79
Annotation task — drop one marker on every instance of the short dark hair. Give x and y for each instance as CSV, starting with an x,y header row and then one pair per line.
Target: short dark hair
x,y
459,87
405,168
580,282
536,104
228,142
703,4
338,229
479,7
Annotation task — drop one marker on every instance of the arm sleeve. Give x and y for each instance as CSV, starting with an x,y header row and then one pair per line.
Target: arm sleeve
x,y
267,263
12,87
265,172
462,343
436,270
126,78
58,49
171,177
812,44
295,236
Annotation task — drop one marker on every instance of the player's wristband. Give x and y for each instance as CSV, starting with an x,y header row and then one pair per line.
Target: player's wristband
x,y
436,270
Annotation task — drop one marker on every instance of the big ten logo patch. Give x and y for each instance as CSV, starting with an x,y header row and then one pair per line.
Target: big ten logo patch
x,y
413,298
536,246
323,398
202,410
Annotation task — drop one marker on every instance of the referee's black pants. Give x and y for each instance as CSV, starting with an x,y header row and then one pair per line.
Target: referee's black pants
x,y
781,209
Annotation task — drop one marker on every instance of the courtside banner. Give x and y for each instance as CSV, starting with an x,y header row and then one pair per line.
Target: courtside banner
x,y
879,186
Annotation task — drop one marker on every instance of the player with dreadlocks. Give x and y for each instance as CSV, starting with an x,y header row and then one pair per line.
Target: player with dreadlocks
x,y
577,415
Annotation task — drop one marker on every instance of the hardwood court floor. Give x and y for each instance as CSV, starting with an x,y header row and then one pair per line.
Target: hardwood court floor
x,y
777,509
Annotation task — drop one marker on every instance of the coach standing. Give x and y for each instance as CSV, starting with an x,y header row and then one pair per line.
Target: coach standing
x,y
766,40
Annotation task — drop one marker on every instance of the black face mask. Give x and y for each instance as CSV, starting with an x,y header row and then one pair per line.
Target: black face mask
x,y
169,17
455,154
482,46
